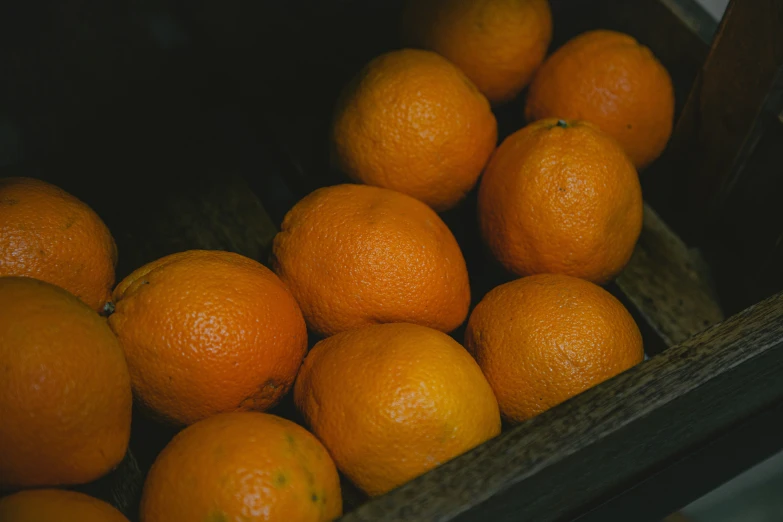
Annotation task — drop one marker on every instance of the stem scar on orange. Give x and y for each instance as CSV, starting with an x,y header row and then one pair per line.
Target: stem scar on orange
x,y
611,80
561,197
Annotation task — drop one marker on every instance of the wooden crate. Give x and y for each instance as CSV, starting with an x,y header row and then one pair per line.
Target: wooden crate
x,y
206,140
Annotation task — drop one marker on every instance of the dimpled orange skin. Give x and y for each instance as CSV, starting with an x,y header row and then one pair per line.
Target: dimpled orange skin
x,y
561,198
393,401
207,332
356,255
47,234
498,44
545,338
47,505
242,466
65,394
612,80
412,122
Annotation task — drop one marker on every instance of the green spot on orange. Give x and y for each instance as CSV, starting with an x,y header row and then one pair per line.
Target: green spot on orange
x,y
217,516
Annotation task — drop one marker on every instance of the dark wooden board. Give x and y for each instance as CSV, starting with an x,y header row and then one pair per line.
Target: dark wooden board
x,y
695,474
720,117
744,242
561,461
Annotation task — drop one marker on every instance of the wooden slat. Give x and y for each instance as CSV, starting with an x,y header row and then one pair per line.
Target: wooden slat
x,y
695,474
765,79
745,241
717,124
669,283
577,453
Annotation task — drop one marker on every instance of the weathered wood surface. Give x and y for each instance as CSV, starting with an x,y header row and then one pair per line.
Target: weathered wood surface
x,y
557,463
669,283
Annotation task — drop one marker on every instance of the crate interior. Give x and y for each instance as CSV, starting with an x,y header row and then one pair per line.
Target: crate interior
x,y
199,124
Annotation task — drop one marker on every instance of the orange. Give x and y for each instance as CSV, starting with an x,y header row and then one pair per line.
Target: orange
x,y
355,255
612,80
545,338
207,332
242,466
393,401
65,394
49,505
561,197
498,44
47,234
411,121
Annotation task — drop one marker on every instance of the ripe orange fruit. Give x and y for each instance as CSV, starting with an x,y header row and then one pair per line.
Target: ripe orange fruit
x,y
613,81
242,466
498,44
561,197
355,255
207,332
393,401
45,505
411,121
543,339
47,234
65,395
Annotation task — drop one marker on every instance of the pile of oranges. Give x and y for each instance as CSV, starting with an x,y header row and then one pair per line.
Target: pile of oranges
x,y
207,341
